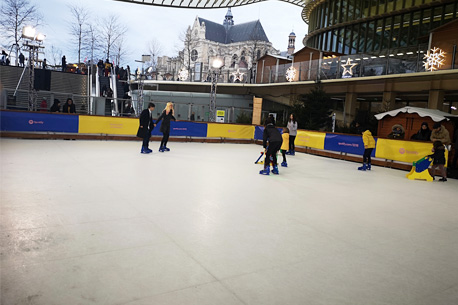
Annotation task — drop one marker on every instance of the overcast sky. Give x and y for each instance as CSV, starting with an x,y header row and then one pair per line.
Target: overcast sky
x,y
166,24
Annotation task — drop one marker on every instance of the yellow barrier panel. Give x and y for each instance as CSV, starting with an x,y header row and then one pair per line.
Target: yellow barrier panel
x,y
310,139
107,125
404,151
230,131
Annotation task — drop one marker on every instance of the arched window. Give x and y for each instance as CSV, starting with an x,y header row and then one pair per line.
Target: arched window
x,y
194,55
243,63
234,60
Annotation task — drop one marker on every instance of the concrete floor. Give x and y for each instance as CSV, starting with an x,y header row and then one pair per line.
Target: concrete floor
x,y
94,222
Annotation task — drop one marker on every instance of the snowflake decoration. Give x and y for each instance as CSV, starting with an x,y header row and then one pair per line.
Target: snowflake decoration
x,y
237,76
434,59
290,74
183,74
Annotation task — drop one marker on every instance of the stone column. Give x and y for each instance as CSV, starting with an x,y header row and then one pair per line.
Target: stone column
x,y
388,101
349,107
436,99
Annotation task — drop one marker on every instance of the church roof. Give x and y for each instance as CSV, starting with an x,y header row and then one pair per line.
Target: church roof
x,y
237,33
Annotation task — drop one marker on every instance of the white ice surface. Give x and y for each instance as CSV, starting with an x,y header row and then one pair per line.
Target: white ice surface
x,y
96,222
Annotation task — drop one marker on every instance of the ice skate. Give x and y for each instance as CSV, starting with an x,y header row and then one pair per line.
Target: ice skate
x,y
284,164
362,168
265,171
275,170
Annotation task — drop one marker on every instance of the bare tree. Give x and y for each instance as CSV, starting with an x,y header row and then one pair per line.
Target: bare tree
x,y
110,31
120,50
80,15
155,50
54,55
15,15
190,42
91,46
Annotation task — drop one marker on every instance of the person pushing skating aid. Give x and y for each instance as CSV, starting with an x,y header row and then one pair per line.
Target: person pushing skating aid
x,y
273,136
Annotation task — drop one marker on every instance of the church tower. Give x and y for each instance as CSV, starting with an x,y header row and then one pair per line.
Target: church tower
x,y
228,20
291,43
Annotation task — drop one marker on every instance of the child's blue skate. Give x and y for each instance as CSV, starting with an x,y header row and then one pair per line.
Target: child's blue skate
x,y
265,171
284,164
275,170
368,166
161,149
166,148
362,168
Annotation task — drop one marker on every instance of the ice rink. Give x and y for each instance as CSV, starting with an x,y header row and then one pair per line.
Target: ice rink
x,y
96,222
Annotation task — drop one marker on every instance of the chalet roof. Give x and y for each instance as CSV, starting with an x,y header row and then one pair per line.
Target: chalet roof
x,y
236,33
434,114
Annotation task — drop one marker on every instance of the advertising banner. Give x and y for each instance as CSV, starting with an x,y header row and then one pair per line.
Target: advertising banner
x,y
348,144
311,139
258,132
108,125
404,151
231,131
182,129
31,121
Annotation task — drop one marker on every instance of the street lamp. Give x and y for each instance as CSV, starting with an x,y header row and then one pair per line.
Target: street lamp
x,y
216,64
29,33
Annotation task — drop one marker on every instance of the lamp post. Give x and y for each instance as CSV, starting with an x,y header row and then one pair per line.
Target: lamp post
x,y
30,34
216,65
140,78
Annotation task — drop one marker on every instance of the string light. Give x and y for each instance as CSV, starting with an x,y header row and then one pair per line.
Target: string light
x,y
290,74
434,59
237,76
183,74
348,72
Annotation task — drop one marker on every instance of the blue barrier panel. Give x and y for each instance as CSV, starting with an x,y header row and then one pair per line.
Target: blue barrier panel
x,y
258,132
31,121
183,128
349,144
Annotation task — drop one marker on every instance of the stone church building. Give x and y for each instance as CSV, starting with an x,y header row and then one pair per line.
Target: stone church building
x,y
237,45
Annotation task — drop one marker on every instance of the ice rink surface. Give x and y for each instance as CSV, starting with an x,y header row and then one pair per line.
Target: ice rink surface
x,y
96,222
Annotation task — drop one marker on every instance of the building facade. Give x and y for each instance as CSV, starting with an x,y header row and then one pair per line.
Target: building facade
x,y
237,45
374,26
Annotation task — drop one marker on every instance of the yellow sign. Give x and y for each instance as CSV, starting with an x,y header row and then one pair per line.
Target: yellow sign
x,y
310,139
230,131
404,151
108,125
220,113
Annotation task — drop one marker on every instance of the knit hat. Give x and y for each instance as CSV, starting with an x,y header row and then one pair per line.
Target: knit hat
x,y
436,125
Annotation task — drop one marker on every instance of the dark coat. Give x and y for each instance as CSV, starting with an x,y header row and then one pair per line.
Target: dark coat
x,y
271,134
438,155
148,125
66,108
166,118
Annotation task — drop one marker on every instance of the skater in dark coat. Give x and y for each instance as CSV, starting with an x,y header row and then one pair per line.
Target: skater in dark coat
x,y
146,127
166,117
273,136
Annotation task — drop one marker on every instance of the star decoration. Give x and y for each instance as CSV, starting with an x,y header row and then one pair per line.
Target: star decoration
x,y
434,59
237,76
348,70
290,74
183,74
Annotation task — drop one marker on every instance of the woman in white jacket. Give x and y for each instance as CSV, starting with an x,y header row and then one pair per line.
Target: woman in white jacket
x,y
292,126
